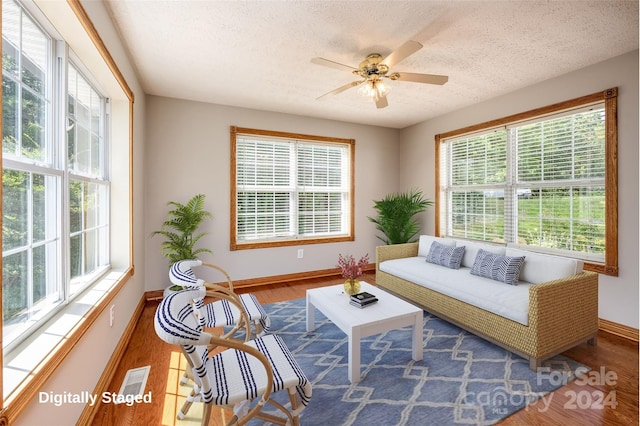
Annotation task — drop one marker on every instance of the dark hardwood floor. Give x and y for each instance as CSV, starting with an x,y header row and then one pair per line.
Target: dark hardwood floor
x,y
608,400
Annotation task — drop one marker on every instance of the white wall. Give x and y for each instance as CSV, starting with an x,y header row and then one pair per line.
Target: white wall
x,y
189,153
82,368
618,295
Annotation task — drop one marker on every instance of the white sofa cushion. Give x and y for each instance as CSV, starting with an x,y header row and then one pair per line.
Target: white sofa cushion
x,y
505,300
540,268
424,243
471,251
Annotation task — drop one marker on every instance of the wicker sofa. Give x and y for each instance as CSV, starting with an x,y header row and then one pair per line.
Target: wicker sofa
x,y
562,312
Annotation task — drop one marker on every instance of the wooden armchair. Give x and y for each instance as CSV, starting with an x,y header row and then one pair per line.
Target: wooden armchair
x,y
221,313
244,375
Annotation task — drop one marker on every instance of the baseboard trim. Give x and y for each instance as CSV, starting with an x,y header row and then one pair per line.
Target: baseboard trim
x,y
619,329
90,411
152,295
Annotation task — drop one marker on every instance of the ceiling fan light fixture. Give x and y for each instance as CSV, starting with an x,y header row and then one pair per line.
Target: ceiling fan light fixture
x,y
374,88
374,69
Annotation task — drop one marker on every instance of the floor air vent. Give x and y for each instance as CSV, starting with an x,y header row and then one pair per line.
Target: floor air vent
x,y
135,381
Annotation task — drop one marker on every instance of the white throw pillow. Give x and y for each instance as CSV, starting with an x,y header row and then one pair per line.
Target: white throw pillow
x,y
540,268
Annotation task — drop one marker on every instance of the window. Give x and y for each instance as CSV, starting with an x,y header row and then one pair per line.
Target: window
x,y
545,180
290,189
63,262
88,180
54,180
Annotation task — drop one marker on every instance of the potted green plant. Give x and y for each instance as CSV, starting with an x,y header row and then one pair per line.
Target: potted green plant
x,y
180,230
396,216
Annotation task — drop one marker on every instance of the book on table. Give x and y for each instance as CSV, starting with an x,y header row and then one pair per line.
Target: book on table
x,y
362,305
363,299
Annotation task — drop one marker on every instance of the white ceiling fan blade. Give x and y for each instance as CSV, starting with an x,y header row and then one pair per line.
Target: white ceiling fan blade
x,y
332,64
404,51
341,89
382,102
420,78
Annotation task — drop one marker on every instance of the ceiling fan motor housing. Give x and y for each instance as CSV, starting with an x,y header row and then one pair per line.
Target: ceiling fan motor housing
x,y
372,66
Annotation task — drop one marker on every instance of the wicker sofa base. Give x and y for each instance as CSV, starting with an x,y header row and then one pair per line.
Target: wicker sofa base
x,y
562,313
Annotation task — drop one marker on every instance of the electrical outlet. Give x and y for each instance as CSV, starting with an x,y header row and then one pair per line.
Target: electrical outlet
x,y
112,315
300,253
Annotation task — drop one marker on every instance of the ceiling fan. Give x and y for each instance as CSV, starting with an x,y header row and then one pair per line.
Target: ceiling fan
x,y
374,69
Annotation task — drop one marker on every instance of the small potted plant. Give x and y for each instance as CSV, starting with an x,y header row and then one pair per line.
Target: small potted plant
x,y
180,231
352,270
396,213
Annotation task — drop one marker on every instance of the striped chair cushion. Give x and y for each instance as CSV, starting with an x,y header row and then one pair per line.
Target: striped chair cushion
x,y
219,313
223,313
234,376
499,268
181,273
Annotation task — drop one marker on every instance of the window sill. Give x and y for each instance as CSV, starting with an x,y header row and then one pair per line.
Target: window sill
x,y
285,242
29,364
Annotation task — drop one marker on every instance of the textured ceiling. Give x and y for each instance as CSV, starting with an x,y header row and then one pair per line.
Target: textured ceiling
x,y
256,54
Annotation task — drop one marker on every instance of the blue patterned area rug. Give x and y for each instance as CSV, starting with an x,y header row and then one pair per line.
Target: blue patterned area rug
x,y
462,379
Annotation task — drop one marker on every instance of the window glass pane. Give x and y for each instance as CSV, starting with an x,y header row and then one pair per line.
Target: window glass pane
x,y
10,106
33,126
45,210
76,192
84,131
477,215
24,84
10,113
479,160
72,92
35,54
76,258
10,37
87,219
15,286
39,283
589,131
569,147
15,209
29,294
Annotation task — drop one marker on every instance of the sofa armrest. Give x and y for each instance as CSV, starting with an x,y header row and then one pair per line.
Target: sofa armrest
x,y
565,309
395,251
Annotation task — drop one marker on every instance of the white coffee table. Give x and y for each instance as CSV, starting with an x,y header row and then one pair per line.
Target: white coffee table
x,y
390,312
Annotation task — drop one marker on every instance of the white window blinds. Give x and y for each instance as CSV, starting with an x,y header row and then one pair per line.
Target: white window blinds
x,y
291,188
538,183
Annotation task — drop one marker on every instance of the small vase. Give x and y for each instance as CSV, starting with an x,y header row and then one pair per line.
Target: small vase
x,y
352,287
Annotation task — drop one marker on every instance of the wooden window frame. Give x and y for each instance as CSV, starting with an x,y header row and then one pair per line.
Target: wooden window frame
x,y
610,99
234,244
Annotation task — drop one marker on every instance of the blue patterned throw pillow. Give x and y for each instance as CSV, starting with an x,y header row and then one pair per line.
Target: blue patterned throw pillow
x,y
500,268
448,256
